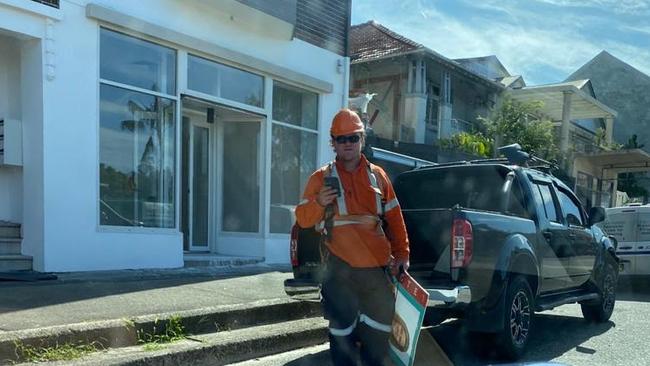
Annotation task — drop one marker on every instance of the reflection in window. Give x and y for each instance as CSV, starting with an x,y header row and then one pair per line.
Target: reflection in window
x,y
549,203
241,183
138,63
136,159
570,209
295,106
292,162
224,81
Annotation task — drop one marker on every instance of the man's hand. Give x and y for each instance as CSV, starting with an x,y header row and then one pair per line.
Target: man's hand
x,y
326,196
397,266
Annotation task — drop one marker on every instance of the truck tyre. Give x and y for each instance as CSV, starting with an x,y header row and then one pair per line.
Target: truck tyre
x,y
601,310
518,319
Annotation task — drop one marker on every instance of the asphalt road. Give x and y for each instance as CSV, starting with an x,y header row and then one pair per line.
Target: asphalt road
x,y
560,335
563,336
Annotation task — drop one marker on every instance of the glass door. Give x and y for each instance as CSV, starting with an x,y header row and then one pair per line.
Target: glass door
x,y
199,195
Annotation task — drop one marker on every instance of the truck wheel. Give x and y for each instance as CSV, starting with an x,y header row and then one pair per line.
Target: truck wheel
x,y
518,319
601,310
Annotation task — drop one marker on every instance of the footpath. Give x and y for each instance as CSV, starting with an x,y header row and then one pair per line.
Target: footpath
x,y
212,315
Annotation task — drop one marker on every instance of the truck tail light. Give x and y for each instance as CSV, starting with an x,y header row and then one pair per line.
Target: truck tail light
x,y
293,246
462,243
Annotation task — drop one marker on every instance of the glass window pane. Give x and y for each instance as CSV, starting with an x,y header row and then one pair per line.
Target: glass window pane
x,y
570,209
136,62
200,185
295,106
136,152
293,160
225,82
549,205
241,182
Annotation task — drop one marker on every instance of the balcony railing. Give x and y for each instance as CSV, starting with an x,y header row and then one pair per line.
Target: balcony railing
x,y
459,125
52,3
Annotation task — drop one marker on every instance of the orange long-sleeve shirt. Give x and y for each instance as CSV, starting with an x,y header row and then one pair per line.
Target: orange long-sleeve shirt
x,y
358,245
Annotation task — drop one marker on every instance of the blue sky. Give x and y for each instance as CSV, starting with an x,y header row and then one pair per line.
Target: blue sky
x,y
543,40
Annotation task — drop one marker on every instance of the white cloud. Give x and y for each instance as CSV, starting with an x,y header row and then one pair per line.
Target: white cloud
x,y
630,7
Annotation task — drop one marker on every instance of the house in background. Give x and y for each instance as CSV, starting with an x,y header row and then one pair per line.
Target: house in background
x,y
422,96
146,134
491,68
627,90
577,116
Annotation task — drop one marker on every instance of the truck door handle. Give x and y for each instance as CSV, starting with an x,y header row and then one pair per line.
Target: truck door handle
x,y
547,235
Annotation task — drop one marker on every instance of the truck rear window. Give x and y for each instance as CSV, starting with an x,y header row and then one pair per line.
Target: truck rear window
x,y
474,186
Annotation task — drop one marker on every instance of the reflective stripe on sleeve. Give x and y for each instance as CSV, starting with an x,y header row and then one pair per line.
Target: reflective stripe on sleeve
x,y
363,318
373,183
303,202
340,200
343,332
391,204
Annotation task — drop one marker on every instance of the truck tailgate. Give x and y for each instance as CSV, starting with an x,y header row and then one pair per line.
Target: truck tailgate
x,y
429,234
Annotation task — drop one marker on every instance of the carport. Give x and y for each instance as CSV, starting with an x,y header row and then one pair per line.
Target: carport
x,y
606,166
595,172
568,101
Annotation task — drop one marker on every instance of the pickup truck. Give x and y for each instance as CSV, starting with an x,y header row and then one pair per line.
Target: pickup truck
x,y
492,242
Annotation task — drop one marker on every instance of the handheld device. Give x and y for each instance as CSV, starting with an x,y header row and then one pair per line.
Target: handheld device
x,y
333,183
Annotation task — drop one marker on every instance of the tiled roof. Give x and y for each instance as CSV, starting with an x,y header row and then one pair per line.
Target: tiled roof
x,y
372,40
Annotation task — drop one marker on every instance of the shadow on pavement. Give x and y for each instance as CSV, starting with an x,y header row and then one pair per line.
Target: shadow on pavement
x,y
94,296
321,358
553,335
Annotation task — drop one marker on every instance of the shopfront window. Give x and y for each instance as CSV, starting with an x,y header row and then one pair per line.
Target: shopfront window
x,y
226,82
295,106
138,63
293,151
137,142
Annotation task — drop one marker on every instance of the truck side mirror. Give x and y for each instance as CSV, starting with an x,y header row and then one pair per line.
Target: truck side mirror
x,y
596,215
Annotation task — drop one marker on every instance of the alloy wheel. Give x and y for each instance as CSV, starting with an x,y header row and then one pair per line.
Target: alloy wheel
x,y
520,314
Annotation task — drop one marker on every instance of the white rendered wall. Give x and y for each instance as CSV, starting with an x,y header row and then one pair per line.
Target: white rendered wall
x,y
11,189
63,152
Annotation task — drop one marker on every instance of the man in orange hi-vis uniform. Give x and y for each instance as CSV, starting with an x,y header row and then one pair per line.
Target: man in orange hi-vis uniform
x,y
365,238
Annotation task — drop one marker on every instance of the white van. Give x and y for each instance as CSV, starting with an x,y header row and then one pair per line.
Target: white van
x,y
630,225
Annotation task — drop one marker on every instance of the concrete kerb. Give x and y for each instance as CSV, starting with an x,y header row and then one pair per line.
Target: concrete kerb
x,y
124,332
155,274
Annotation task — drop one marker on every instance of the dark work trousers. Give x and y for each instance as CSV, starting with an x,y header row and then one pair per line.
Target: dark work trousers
x,y
359,304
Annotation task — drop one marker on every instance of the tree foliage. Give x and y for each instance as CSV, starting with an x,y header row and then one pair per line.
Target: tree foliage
x,y
513,122
473,143
522,123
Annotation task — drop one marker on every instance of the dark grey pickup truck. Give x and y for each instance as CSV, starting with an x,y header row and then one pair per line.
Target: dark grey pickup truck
x,y
493,243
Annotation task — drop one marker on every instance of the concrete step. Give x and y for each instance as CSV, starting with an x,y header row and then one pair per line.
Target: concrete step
x,y
9,230
213,260
124,332
10,246
15,262
220,348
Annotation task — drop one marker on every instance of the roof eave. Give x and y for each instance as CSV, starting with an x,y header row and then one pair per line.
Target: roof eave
x,y
439,58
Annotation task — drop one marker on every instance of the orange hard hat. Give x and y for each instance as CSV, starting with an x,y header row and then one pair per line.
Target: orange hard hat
x,y
346,122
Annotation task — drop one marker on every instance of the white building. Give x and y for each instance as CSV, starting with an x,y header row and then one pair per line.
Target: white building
x,y
140,132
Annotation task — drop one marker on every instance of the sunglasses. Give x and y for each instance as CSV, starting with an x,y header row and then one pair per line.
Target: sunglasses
x,y
353,139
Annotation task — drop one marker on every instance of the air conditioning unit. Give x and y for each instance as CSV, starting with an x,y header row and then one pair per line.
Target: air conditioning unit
x,y
11,142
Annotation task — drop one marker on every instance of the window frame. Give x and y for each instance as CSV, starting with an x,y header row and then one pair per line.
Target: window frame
x,y
575,201
558,212
263,109
273,122
182,54
175,98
